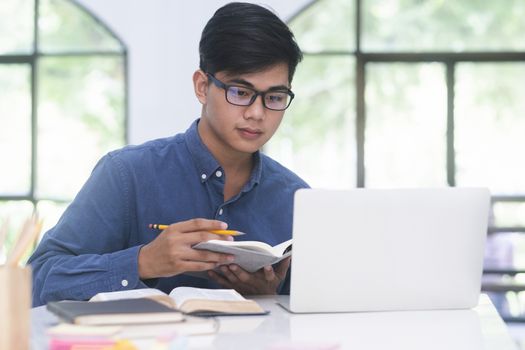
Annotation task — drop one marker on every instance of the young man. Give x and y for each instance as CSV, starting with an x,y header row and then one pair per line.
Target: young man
x,y
210,177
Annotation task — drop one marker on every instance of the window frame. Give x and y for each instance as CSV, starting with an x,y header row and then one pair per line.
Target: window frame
x,y
32,60
450,60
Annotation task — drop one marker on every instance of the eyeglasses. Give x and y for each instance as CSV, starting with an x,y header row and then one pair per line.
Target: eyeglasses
x,y
276,100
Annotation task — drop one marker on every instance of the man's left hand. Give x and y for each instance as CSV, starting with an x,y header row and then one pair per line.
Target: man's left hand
x,y
263,281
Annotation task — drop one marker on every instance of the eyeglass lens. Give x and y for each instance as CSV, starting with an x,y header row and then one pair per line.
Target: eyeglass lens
x,y
277,100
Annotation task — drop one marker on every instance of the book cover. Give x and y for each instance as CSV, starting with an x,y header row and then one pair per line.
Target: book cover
x,y
123,311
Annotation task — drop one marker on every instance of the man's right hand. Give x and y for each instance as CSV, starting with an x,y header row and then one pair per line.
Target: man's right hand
x,y
171,253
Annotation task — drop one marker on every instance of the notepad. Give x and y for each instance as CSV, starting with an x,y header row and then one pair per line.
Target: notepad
x,y
189,326
249,255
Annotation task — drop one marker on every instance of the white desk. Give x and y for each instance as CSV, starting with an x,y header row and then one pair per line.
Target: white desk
x,y
479,328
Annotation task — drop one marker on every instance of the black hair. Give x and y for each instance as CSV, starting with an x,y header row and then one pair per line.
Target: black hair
x,y
247,38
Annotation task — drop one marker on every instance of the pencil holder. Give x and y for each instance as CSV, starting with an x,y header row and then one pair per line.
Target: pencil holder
x,y
15,307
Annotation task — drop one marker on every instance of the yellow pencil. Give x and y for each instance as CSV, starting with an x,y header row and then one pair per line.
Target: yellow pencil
x,y
217,232
228,232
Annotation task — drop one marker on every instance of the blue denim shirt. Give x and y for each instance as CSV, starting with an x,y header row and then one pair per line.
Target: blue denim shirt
x,y
94,246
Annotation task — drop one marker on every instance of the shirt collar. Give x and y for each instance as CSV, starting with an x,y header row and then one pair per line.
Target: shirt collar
x,y
207,165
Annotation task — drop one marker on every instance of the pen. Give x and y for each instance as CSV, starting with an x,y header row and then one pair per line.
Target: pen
x,y
217,232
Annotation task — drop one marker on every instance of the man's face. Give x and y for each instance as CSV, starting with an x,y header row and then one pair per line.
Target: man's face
x,y
229,128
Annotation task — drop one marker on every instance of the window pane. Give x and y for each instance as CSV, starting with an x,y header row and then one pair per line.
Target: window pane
x,y
490,127
15,212
505,251
436,25
405,138
50,212
16,26
65,26
509,214
326,25
509,304
81,117
15,130
317,135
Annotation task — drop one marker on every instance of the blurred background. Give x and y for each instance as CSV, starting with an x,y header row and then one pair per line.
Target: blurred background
x,y
391,93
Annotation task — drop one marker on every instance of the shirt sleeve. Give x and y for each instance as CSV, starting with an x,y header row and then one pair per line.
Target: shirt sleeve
x,y
89,249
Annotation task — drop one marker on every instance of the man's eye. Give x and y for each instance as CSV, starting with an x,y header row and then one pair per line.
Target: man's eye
x,y
276,98
240,92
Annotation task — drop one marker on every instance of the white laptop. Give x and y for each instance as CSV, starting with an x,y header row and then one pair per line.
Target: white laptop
x,y
387,249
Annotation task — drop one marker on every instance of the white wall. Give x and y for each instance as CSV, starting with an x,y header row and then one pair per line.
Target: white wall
x,y
162,37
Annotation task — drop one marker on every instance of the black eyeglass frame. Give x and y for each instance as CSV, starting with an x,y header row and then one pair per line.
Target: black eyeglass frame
x,y
225,87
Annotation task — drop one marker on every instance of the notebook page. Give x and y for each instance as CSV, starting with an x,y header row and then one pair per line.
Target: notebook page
x,y
127,294
181,294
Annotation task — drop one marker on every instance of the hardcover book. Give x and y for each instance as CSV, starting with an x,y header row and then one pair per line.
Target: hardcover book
x,y
124,311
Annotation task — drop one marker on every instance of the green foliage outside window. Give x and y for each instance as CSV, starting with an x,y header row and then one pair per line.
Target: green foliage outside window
x,y
440,108
70,114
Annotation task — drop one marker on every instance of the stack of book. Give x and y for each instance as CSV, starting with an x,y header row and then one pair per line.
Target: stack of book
x,y
148,314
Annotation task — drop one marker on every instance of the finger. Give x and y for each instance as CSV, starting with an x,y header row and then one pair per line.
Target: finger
x,y
229,275
208,256
193,238
208,236
239,273
269,274
196,266
198,224
220,279
282,268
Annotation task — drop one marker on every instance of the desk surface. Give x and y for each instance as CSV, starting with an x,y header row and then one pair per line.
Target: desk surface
x,y
479,328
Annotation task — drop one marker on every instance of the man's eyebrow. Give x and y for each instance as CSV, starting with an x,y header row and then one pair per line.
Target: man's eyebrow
x,y
240,81
250,85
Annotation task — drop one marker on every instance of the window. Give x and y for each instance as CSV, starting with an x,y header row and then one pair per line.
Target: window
x,y
395,93
62,104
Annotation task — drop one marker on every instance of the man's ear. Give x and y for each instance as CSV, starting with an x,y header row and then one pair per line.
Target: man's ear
x,y
200,85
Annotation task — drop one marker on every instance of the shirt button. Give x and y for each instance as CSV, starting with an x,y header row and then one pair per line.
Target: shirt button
x,y
218,173
124,283
203,176
220,211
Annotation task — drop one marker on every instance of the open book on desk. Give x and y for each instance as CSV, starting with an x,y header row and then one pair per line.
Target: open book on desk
x,y
193,301
250,255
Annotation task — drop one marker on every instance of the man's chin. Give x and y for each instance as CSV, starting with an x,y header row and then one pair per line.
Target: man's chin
x,y
251,147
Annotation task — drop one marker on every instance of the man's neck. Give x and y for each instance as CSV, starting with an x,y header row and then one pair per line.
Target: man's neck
x,y
237,165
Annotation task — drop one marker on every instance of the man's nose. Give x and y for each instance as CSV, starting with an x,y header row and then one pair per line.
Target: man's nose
x,y
256,110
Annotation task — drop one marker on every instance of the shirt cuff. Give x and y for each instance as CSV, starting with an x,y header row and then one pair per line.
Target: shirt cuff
x,y
124,270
